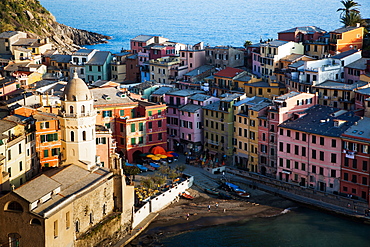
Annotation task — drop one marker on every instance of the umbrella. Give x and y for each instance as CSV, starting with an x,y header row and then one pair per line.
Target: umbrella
x,y
154,165
163,156
128,164
155,158
150,155
175,154
158,155
169,155
158,150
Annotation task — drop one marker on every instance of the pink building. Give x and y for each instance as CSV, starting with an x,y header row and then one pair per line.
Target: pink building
x,y
184,119
310,147
354,70
137,44
301,34
192,58
283,108
105,146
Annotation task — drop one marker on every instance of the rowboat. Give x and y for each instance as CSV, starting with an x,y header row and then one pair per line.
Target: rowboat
x,y
186,195
243,194
211,191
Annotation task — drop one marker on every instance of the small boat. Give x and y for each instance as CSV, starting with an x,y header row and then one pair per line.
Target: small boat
x,y
224,196
243,194
156,166
211,191
142,168
186,195
149,167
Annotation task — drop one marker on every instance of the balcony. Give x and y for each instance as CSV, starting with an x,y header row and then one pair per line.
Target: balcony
x,y
213,142
15,139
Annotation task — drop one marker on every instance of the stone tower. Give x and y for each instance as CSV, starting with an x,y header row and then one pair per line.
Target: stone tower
x,y
77,123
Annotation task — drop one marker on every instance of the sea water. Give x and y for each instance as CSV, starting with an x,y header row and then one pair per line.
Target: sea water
x,y
215,22
300,227
223,23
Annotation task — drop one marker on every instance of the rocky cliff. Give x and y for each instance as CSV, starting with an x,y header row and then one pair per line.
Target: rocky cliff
x,y
31,17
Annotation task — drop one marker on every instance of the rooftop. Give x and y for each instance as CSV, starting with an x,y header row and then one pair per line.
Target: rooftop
x,y
82,52
162,90
142,38
288,95
6,125
190,108
344,29
320,120
329,84
99,58
8,34
305,30
228,72
275,43
345,54
361,129
185,92
199,97
109,95
59,58
199,70
230,97
358,64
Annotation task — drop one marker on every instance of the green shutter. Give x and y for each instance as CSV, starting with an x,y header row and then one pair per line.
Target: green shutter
x,y
121,112
150,113
140,140
132,127
141,126
133,141
46,153
104,140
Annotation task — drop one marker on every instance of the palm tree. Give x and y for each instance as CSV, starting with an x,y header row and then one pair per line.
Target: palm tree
x,y
352,19
349,6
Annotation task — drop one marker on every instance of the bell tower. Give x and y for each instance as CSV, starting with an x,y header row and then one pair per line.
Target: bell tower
x,y
77,119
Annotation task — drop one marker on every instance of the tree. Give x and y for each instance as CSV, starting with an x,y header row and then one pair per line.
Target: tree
x,y
247,43
350,14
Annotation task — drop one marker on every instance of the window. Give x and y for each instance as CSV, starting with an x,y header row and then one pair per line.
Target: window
x,y
304,137
288,133
150,113
68,220
84,135
20,166
322,155
55,229
296,148
354,164
281,147
321,170
345,176
20,148
322,141
141,126
333,143
333,158
364,180
364,165
133,128
72,136
313,154
150,125
107,113
333,173
46,153
354,179
77,226
288,148
281,162
55,151
296,164
303,165
313,169
133,141
14,206
297,135
314,139
288,164
91,218
304,151
160,136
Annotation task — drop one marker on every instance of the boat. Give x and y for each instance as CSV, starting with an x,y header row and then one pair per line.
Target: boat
x,y
142,168
243,194
211,191
186,195
156,166
224,196
149,167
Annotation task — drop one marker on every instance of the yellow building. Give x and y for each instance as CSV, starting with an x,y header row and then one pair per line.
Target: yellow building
x,y
246,135
268,88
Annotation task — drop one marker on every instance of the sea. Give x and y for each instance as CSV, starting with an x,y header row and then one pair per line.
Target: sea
x,y
231,23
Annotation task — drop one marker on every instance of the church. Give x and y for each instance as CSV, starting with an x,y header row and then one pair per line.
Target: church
x,y
63,205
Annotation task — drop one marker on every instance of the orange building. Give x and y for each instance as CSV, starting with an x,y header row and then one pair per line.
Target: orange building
x,y
346,38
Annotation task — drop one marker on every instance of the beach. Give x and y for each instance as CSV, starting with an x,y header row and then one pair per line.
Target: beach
x,y
207,210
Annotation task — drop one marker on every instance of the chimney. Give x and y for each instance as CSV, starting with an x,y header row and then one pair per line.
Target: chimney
x,y
357,24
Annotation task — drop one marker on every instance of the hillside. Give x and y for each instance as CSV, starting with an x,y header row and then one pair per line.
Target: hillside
x,y
31,17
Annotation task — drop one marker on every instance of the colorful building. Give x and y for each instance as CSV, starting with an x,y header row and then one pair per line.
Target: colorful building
x,y
346,38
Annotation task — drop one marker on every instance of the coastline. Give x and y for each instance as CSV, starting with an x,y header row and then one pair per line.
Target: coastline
x,y
173,219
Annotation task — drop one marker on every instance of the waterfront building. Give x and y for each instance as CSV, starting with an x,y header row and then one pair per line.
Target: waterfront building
x,y
166,70
193,57
337,94
268,88
310,147
354,70
98,67
308,74
345,39
118,66
301,34
59,66
355,160
267,59
218,125
138,43
175,99
79,58
142,130
224,56
225,81
247,144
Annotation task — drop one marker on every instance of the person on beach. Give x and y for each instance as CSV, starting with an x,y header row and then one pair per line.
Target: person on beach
x,y
216,205
187,216
209,208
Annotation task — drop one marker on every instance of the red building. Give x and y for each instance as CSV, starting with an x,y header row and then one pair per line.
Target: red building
x,y
355,170
301,34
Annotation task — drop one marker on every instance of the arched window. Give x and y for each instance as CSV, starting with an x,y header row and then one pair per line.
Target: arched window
x,y
14,207
72,136
77,226
84,135
71,109
36,222
82,109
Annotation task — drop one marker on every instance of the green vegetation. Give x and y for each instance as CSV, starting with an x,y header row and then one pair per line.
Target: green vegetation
x,y
350,14
25,15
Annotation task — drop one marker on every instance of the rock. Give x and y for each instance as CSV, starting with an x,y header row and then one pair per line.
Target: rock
x,y
30,15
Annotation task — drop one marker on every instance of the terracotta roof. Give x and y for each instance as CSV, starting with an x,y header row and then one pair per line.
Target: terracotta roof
x,y
228,72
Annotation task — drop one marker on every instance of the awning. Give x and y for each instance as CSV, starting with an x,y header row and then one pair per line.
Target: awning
x,y
287,172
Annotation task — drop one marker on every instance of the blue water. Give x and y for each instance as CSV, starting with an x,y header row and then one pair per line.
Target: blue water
x,y
223,23
191,21
302,227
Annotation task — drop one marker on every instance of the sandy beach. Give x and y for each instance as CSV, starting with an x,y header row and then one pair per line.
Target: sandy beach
x,y
186,215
